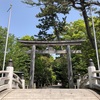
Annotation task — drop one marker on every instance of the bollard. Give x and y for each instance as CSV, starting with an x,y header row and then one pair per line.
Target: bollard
x,y
78,83
23,82
10,69
91,68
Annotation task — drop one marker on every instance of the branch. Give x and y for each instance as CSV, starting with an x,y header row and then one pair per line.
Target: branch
x,y
73,4
92,3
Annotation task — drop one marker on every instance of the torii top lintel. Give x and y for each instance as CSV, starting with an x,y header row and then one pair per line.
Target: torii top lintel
x,y
70,42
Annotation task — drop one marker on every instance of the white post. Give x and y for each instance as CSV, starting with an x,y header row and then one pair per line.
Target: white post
x,y
10,69
78,83
10,76
23,83
91,68
34,85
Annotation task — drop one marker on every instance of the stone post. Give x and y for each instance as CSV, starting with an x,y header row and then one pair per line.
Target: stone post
x,y
78,81
70,71
32,68
16,84
91,68
10,69
23,82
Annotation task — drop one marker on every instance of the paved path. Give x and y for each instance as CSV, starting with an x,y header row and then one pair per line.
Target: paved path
x,y
52,87
49,94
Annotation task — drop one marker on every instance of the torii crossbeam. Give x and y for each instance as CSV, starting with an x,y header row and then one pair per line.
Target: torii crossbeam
x,y
70,42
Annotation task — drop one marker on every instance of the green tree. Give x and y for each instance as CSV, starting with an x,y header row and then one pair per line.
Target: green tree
x,y
3,32
17,52
27,37
60,70
76,30
81,5
44,74
52,17
84,7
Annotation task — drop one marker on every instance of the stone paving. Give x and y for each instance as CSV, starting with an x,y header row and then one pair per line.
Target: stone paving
x,y
49,94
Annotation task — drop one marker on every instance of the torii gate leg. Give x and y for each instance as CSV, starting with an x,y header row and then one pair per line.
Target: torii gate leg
x,y
32,67
70,72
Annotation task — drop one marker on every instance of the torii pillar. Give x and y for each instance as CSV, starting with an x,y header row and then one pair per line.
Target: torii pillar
x,y
70,71
32,67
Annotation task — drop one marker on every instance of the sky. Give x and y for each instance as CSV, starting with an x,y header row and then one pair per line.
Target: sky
x,y
23,21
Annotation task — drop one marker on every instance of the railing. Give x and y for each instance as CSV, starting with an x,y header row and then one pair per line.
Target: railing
x,y
92,79
83,81
94,76
96,79
3,80
9,80
17,82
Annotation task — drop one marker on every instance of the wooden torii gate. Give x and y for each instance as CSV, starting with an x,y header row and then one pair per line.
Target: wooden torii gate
x,y
52,43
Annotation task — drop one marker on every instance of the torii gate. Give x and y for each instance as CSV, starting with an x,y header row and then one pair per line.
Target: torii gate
x,y
52,43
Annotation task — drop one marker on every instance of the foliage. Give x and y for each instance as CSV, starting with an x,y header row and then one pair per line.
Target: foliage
x,y
52,7
44,75
76,30
15,51
60,69
50,18
2,44
27,37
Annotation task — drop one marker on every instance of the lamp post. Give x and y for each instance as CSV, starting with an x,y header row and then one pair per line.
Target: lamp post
x,y
95,40
6,44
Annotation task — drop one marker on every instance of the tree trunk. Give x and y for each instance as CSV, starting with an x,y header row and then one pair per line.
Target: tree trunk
x,y
87,25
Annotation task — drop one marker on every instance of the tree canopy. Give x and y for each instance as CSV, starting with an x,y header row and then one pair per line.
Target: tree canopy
x,y
52,7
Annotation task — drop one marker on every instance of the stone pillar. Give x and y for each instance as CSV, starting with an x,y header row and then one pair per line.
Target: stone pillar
x,y
23,82
70,71
32,68
91,68
78,83
10,69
